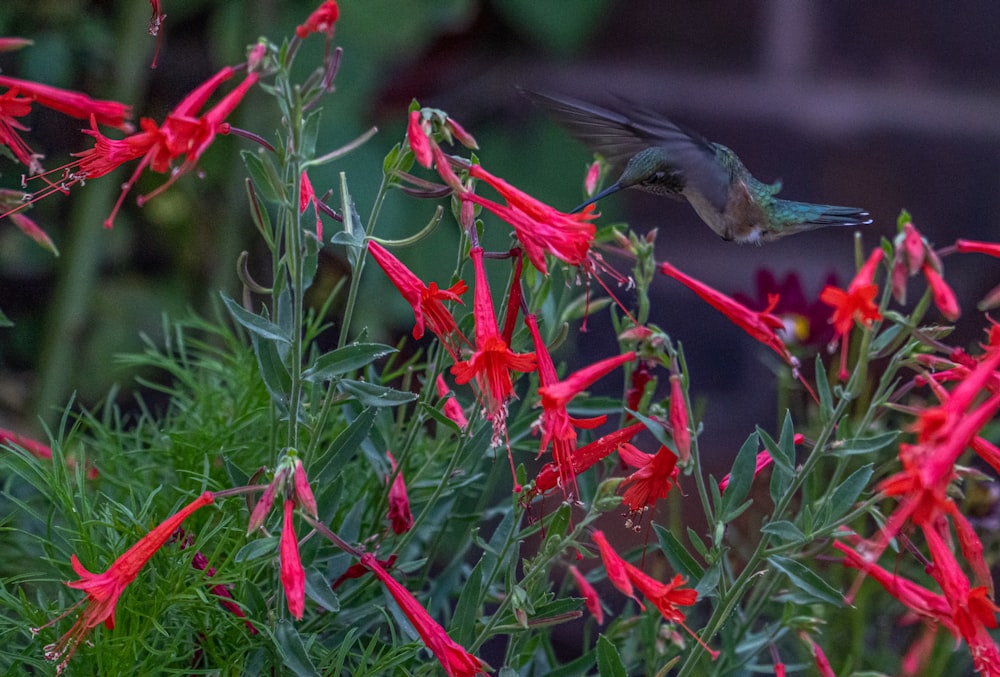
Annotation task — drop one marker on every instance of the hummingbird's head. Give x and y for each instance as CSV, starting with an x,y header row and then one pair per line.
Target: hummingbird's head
x,y
646,171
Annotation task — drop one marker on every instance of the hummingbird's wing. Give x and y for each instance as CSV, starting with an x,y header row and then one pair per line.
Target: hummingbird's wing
x,y
691,159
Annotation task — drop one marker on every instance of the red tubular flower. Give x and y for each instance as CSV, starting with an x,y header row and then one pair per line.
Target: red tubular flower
x,y
75,104
540,228
656,475
585,457
452,409
456,661
12,106
492,362
822,662
590,597
944,297
103,590
762,325
28,226
666,597
182,134
306,196
965,612
978,247
679,418
590,181
293,576
39,450
427,301
322,20
420,143
302,492
556,424
400,516
857,303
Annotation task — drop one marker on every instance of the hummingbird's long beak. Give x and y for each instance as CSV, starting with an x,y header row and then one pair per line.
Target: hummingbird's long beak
x,y
613,188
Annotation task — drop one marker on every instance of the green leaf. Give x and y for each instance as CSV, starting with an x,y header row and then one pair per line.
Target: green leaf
x,y
5,321
741,476
318,589
609,661
654,427
783,454
293,651
784,531
806,580
372,395
847,493
273,371
677,555
262,547
264,176
823,392
344,360
353,234
256,324
864,445
463,622
346,442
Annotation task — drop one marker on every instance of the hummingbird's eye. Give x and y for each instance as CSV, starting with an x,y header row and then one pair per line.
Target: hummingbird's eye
x,y
655,178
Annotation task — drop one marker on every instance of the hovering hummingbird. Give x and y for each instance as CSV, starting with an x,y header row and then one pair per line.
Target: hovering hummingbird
x,y
661,157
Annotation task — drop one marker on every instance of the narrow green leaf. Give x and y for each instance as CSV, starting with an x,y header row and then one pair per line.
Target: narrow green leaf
x,y
344,360
347,442
609,661
864,445
654,427
5,321
256,324
273,371
463,622
373,395
264,176
784,531
261,547
293,651
823,391
318,590
741,476
677,555
807,581
844,496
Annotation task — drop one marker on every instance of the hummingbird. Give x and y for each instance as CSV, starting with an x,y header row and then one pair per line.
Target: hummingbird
x,y
661,157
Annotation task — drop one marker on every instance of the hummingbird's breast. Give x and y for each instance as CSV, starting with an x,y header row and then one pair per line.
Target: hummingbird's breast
x,y
742,219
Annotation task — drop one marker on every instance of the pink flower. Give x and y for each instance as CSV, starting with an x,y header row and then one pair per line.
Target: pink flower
x,y
293,576
400,516
456,661
103,590
420,143
322,20
39,450
452,409
590,597
679,417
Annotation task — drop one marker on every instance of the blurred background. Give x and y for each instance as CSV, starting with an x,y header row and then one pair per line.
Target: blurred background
x,y
884,106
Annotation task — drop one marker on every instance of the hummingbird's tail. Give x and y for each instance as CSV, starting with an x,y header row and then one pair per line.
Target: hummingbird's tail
x,y
797,217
